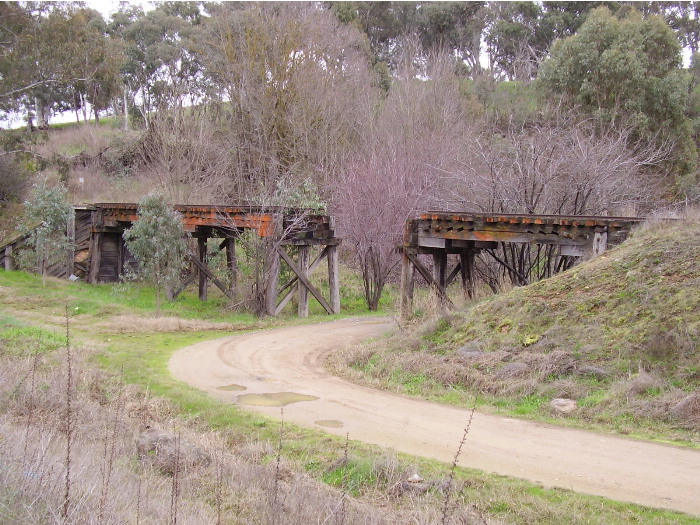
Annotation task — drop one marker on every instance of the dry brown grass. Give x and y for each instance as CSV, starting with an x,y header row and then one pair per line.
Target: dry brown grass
x,y
134,461
133,323
687,409
88,138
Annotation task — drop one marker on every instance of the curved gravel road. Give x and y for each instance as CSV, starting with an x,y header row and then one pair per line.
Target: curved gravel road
x,y
288,364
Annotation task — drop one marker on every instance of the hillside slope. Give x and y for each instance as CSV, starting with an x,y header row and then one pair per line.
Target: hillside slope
x,y
618,334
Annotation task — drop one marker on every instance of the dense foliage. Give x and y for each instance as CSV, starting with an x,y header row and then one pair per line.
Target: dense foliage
x,y
45,224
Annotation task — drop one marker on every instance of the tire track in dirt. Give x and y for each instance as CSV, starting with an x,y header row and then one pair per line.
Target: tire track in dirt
x,y
293,359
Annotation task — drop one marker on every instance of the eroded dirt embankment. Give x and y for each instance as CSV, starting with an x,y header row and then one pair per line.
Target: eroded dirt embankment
x,y
276,366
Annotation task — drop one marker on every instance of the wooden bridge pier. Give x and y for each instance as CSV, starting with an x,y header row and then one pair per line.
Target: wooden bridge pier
x,y
440,234
276,228
300,285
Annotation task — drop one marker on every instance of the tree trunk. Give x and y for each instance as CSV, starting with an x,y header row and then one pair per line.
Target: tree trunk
x,y
84,107
156,282
125,109
42,119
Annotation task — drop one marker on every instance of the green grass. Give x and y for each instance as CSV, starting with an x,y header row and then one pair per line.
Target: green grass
x,y
105,300
351,477
35,312
107,122
19,339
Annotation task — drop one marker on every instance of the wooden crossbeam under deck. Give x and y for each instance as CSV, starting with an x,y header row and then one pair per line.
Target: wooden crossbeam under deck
x,y
304,280
293,283
206,271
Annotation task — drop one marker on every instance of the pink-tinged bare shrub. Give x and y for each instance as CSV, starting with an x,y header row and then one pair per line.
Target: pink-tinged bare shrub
x,y
556,169
406,150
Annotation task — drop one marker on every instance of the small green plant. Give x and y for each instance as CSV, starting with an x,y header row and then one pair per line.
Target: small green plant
x,y
157,240
531,339
45,224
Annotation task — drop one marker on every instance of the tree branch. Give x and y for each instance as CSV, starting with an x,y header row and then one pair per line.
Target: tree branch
x,y
39,83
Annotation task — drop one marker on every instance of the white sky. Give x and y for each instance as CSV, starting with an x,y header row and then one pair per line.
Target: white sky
x,y
107,7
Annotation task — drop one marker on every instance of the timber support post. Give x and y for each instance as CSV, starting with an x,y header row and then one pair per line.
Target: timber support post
x,y
8,257
333,277
303,306
70,250
466,262
407,284
95,257
270,277
232,264
271,272
600,242
202,258
440,275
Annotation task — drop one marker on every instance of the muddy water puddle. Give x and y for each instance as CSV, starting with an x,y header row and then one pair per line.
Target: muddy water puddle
x,y
231,388
277,399
329,423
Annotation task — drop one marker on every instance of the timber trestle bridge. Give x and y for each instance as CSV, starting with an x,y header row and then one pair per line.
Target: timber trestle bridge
x,y
100,255
441,233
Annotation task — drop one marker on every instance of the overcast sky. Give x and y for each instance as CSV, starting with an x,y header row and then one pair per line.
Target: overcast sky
x,y
107,7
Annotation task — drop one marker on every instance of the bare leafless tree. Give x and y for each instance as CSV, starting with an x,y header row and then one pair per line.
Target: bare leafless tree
x,y
571,169
184,155
293,82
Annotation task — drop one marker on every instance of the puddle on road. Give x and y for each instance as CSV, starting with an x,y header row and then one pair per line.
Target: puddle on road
x,y
231,388
329,423
278,399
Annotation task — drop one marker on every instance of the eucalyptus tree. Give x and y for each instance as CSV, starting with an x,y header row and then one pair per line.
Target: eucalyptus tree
x,y
390,27
33,70
456,27
162,67
59,57
47,212
518,35
683,17
625,72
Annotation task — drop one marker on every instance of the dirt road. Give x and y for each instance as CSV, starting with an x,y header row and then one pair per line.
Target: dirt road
x,y
287,364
